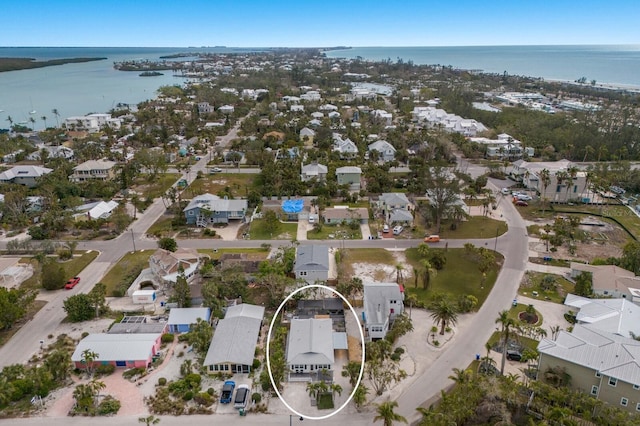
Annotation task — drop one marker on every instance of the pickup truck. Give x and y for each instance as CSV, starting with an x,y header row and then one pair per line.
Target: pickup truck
x,y
242,397
227,392
71,283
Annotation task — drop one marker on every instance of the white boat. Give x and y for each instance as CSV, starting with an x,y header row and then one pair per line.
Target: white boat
x,y
32,112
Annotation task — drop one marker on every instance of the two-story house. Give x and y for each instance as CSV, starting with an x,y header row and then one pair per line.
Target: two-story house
x,y
24,175
166,265
349,175
313,170
383,302
385,151
94,170
396,208
312,263
207,209
309,346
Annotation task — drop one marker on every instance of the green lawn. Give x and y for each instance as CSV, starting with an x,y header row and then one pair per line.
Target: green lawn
x,y
158,187
161,227
460,276
286,231
525,341
122,274
71,267
325,401
475,227
520,307
337,232
532,282
238,184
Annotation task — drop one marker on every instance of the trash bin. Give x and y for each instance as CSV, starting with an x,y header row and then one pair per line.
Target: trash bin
x,y
241,412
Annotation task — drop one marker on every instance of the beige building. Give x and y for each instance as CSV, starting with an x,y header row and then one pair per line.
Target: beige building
x,y
610,281
93,170
558,190
605,365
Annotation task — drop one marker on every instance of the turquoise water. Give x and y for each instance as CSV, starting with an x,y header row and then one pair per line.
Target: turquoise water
x,y
78,89
605,63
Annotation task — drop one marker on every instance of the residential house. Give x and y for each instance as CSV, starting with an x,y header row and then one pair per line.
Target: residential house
x,y
129,350
312,263
207,209
138,325
349,175
226,109
610,281
617,316
24,175
605,365
58,151
346,148
311,96
383,302
314,171
385,151
343,214
296,108
93,170
438,118
395,208
92,123
166,265
504,147
307,135
96,210
233,346
309,346
205,108
181,319
382,116
558,190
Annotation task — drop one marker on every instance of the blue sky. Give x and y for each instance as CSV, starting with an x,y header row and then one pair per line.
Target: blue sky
x,y
305,23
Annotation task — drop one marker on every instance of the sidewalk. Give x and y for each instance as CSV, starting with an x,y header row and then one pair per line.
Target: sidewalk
x,y
549,269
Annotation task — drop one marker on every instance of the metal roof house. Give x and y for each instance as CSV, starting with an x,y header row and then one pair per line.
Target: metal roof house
x,y
232,348
208,209
309,346
180,319
121,350
382,303
24,175
604,364
312,263
349,175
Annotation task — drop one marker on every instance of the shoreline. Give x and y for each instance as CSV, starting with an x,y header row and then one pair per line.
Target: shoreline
x,y
604,86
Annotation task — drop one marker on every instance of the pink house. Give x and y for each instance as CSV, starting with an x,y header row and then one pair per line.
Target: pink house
x,y
120,350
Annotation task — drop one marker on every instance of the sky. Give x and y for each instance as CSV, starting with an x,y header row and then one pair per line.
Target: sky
x,y
326,23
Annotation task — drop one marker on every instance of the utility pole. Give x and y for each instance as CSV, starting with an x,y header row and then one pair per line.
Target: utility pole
x,y
495,248
133,240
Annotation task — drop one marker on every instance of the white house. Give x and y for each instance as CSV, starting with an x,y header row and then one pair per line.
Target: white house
x,y
226,109
386,151
559,189
346,148
503,147
310,345
383,302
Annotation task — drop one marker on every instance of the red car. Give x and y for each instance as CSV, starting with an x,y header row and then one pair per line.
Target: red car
x,y
521,203
72,283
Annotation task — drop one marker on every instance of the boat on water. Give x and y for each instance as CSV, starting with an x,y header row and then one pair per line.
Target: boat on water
x,y
32,112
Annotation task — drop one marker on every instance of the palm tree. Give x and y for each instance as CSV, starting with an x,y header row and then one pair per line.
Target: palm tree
x,y
399,276
545,180
387,414
412,299
461,376
44,118
445,313
57,115
507,324
10,120
587,150
33,123
149,420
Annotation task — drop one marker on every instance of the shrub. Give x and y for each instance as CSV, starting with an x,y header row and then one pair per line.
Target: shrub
x,y
162,381
167,338
399,350
180,354
109,405
132,372
106,369
436,343
395,357
256,397
256,364
84,334
188,396
211,391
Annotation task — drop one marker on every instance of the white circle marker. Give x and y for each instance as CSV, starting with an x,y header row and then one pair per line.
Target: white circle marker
x,y
275,316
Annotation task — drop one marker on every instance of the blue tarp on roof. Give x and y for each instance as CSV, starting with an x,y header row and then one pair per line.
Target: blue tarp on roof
x,y
292,206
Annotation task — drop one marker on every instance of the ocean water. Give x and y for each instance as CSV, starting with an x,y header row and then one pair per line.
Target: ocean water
x,y
78,89
617,65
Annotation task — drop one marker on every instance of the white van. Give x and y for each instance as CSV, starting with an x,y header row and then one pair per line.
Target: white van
x,y
397,230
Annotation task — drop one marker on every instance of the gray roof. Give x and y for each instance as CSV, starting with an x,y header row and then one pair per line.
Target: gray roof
x,y
340,340
349,169
216,204
312,258
310,341
95,165
376,300
314,168
608,353
24,171
117,347
234,341
382,146
394,198
245,310
400,215
178,316
138,328
619,316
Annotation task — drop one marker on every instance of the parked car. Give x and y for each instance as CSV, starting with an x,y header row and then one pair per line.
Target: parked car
x,y
385,228
506,191
432,239
397,230
227,392
215,170
521,203
514,356
71,283
242,397
524,197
